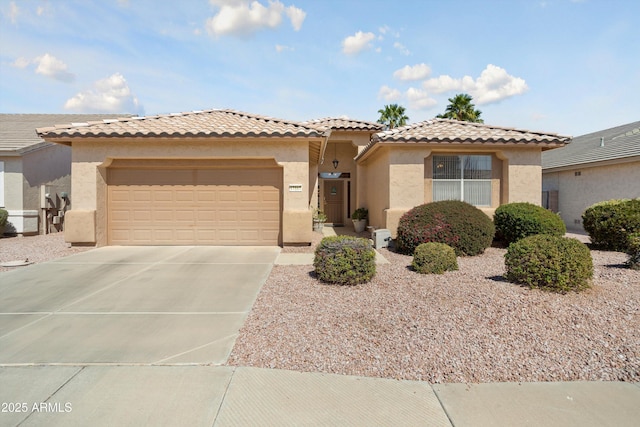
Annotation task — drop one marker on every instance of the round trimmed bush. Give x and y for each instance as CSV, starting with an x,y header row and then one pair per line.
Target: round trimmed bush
x,y
555,263
633,250
465,228
434,258
609,223
344,260
515,221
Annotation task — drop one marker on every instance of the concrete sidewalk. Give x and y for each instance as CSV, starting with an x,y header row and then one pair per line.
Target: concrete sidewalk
x,y
228,396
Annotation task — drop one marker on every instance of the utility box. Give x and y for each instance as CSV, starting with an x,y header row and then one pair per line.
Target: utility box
x,y
381,238
48,196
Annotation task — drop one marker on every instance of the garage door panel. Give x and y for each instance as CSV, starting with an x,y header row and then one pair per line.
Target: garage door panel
x,y
184,195
205,195
118,195
209,207
163,216
271,217
270,196
160,195
227,195
249,196
141,195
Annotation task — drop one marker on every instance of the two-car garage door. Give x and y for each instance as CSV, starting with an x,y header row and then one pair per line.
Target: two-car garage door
x,y
203,206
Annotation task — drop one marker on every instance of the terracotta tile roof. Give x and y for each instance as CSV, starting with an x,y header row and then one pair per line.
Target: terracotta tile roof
x,y
444,131
18,131
338,123
216,123
615,144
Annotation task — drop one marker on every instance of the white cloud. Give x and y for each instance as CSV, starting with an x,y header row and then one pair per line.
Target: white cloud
x,y
50,66
281,48
402,48
241,18
40,11
416,72
14,11
110,95
389,94
357,42
47,65
296,16
21,62
445,83
493,85
419,99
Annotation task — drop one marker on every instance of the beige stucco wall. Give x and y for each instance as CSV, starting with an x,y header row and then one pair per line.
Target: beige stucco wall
x,y
24,175
50,166
12,182
91,158
594,184
374,188
516,176
522,175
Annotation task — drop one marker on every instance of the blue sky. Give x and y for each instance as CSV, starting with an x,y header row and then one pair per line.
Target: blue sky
x,y
566,66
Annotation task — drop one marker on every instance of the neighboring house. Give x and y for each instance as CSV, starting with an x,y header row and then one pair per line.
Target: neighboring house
x,y
31,168
223,177
598,166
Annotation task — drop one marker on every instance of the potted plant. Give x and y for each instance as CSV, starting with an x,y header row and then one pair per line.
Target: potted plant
x,y
319,218
359,219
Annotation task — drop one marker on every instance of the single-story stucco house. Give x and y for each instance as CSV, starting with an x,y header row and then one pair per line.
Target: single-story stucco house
x,y
30,168
598,166
223,177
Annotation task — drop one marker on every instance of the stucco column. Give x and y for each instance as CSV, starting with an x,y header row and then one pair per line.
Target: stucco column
x,y
296,215
522,177
406,184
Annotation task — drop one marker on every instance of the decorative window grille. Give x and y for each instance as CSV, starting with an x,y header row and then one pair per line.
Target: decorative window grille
x,y
463,177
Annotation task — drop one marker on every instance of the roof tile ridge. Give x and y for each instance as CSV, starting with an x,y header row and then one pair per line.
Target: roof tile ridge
x,y
507,128
263,117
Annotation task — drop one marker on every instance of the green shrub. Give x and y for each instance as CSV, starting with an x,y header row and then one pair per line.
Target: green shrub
x,y
344,260
515,221
458,224
609,223
3,220
434,258
633,249
555,263
360,214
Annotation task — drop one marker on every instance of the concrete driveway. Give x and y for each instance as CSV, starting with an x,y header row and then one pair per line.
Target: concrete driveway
x,y
131,305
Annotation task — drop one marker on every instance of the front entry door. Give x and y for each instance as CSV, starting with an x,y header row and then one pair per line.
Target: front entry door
x,y
333,201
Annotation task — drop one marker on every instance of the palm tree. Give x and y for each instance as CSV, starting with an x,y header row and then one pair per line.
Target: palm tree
x,y
392,116
461,108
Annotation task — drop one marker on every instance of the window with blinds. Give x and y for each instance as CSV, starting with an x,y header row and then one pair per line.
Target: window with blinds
x,y
463,177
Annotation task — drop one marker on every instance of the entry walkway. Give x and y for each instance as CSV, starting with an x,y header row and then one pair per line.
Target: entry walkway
x,y
307,257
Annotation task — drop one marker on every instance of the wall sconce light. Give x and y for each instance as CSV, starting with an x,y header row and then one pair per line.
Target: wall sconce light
x,y
335,158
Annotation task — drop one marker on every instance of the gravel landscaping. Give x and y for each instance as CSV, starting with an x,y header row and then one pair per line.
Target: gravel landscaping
x,y
464,326
36,249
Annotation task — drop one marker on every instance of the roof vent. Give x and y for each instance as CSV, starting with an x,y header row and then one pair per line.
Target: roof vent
x,y
602,141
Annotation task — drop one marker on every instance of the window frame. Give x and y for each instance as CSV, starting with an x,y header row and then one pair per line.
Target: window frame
x,y
462,162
